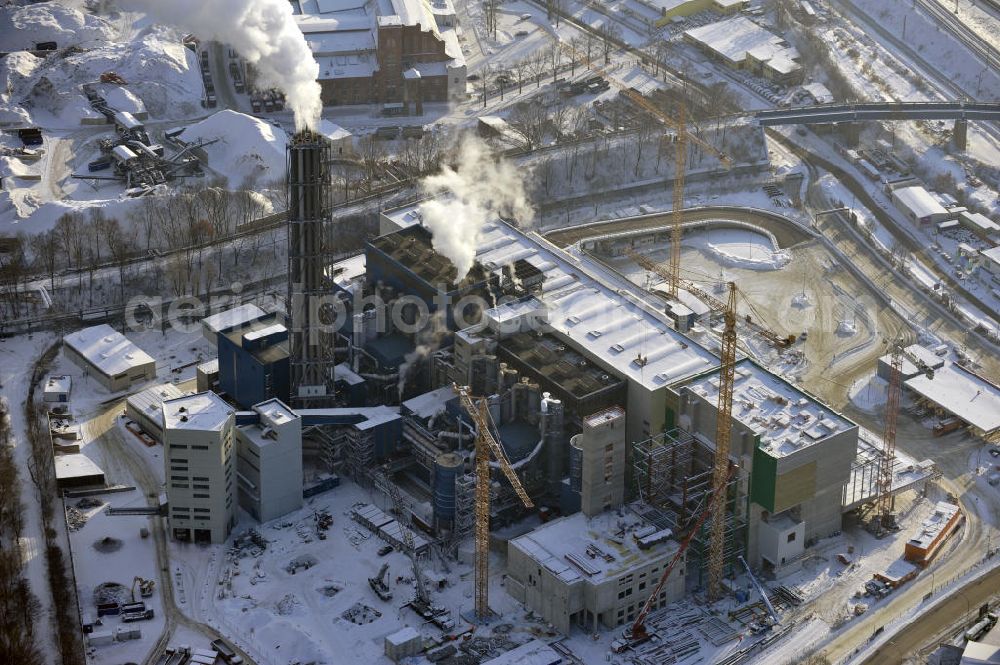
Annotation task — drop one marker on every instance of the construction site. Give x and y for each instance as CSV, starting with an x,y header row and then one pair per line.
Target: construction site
x,y
521,409
539,448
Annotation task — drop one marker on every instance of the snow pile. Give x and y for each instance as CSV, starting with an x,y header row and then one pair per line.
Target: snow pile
x,y
15,69
869,394
162,78
846,328
801,300
247,147
122,98
21,28
159,70
745,249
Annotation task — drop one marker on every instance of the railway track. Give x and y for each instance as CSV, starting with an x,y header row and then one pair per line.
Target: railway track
x,y
961,31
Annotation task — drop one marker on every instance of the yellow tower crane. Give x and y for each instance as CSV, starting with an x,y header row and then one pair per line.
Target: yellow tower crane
x,y
486,446
679,125
724,426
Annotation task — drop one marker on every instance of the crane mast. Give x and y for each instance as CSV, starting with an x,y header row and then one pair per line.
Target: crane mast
x,y
677,216
884,503
724,426
486,446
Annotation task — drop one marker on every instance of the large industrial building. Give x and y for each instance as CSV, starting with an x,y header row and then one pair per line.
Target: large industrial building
x,y
269,460
106,355
399,53
592,572
795,456
200,466
740,43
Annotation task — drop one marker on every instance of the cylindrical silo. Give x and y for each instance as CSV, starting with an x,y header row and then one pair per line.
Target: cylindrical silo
x,y
447,467
553,432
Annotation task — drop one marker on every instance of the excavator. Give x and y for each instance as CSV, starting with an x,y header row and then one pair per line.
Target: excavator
x,y
380,583
145,587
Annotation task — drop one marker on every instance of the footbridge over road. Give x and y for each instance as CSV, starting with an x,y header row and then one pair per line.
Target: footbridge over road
x,y
850,115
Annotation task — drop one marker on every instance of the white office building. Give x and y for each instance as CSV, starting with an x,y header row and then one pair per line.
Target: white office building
x,y
200,461
269,461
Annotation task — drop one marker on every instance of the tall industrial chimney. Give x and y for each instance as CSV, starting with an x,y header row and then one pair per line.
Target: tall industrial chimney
x,y
311,343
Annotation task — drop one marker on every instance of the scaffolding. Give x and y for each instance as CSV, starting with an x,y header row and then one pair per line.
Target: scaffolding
x,y
672,473
360,451
465,516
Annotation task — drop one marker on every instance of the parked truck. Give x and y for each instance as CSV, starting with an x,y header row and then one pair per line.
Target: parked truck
x,y
227,652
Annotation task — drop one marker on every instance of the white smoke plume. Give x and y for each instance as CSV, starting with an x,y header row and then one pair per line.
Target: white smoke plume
x,y
477,190
265,35
427,341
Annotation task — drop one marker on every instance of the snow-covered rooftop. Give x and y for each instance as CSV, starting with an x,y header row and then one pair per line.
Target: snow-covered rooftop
x,y
403,636
149,402
962,393
980,222
333,132
561,546
345,272
232,318
58,384
430,404
919,353
919,201
272,413
202,412
786,418
992,254
75,465
107,349
733,38
931,527
593,307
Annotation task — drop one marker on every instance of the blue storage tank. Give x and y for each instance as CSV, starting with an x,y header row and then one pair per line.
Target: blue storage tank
x,y
447,468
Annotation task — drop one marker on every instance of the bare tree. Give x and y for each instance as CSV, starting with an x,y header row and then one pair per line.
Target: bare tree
x,y
490,10
120,244
13,271
45,249
530,121
554,53
609,35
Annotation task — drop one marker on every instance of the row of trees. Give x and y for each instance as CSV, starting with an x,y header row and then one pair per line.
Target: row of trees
x,y
18,605
41,467
92,247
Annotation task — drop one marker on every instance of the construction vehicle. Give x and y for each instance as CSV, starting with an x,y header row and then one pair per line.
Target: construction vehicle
x,y
761,626
636,634
380,583
130,617
145,587
486,445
